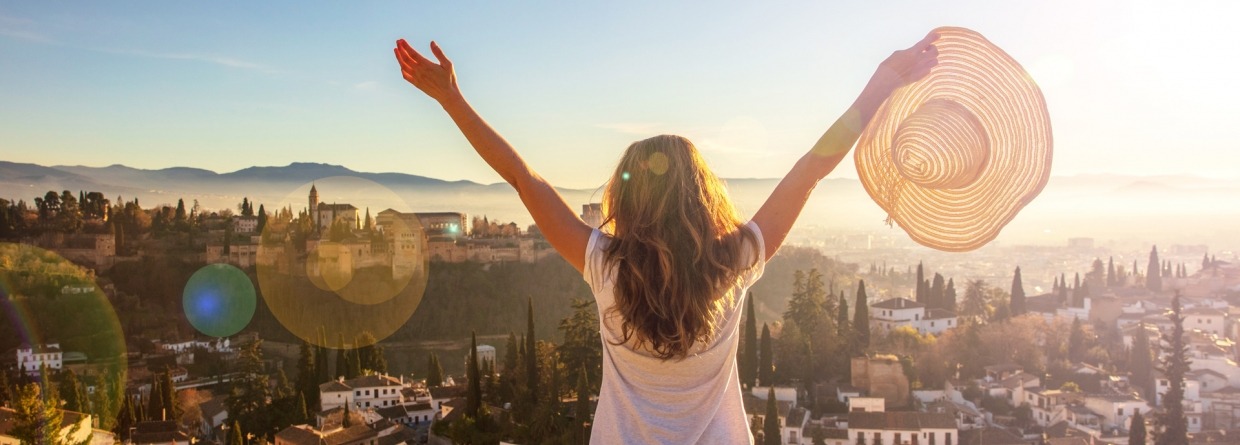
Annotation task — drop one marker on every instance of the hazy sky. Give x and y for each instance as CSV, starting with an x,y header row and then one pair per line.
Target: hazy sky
x,y
1133,87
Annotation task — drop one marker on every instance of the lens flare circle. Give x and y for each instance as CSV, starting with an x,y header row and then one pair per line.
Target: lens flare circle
x,y
49,300
327,271
219,300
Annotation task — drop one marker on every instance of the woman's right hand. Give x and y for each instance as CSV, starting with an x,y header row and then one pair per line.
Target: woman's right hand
x,y
905,66
437,80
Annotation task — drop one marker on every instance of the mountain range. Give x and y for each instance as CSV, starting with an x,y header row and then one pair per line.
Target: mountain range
x,y
1189,208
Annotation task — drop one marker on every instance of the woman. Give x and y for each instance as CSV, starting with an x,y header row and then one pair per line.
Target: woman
x,y
669,275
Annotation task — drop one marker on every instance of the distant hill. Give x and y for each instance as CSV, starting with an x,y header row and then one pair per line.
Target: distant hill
x,y
1143,207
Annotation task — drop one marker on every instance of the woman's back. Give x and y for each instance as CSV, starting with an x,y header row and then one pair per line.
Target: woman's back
x,y
646,399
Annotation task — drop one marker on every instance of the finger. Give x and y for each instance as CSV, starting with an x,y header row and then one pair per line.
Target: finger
x,y
406,64
926,41
443,59
413,53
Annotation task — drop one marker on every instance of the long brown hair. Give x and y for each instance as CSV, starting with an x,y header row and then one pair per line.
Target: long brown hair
x,y
677,243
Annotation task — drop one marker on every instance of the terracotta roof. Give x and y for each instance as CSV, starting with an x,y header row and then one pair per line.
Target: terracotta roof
x,y
163,431
990,436
299,435
906,421
334,386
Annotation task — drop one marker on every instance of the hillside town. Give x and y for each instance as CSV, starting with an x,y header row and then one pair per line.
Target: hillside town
x,y
1109,354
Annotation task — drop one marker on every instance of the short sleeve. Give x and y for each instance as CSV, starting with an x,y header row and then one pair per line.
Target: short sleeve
x,y
593,270
758,256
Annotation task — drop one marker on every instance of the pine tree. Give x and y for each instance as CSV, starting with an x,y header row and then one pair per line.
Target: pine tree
x,y
36,417
1136,429
473,398
770,426
749,358
861,319
766,359
1017,304
1172,424
1153,280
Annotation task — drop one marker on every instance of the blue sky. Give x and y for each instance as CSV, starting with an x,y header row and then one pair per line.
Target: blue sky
x,y
1133,87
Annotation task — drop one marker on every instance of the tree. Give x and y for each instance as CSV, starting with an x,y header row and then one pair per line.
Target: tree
x,y
36,418
473,398
1112,279
1136,429
434,372
234,434
1076,341
262,218
582,348
1017,305
1141,363
531,357
861,320
582,410
770,424
71,392
937,291
975,305
1172,423
841,319
247,402
1153,279
920,293
155,409
749,357
766,359
949,295
307,384
168,391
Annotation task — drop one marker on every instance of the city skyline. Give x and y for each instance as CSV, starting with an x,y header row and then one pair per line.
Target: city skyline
x,y
224,88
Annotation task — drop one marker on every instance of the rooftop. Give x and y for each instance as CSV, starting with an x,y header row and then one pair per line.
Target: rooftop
x,y
897,303
906,421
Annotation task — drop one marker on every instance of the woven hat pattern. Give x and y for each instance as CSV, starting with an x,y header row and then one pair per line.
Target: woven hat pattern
x,y
953,157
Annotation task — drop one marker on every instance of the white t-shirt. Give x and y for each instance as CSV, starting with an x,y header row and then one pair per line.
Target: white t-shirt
x,y
691,400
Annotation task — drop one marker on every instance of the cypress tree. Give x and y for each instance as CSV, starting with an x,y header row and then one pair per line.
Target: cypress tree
x,y
1136,429
841,319
306,384
168,391
1111,278
749,358
473,398
155,401
766,359
531,356
342,358
861,318
921,289
1017,305
949,296
234,435
937,291
71,392
770,424
1153,280
582,412
1142,363
1205,261
434,372
1173,424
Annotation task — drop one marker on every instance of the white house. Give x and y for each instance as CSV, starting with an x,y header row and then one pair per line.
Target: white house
x,y
370,391
31,359
1205,319
903,427
486,354
245,224
896,312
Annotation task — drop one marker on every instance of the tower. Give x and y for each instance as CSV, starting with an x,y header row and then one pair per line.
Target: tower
x,y
314,205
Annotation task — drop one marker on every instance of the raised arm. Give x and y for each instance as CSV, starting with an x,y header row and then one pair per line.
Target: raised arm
x,y
781,209
557,221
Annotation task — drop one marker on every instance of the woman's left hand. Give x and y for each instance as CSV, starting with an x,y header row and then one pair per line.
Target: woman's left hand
x,y
437,80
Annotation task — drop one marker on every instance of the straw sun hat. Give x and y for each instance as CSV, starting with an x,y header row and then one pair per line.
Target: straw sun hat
x,y
954,156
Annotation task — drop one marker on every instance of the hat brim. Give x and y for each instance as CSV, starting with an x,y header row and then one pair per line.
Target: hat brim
x,y
953,157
